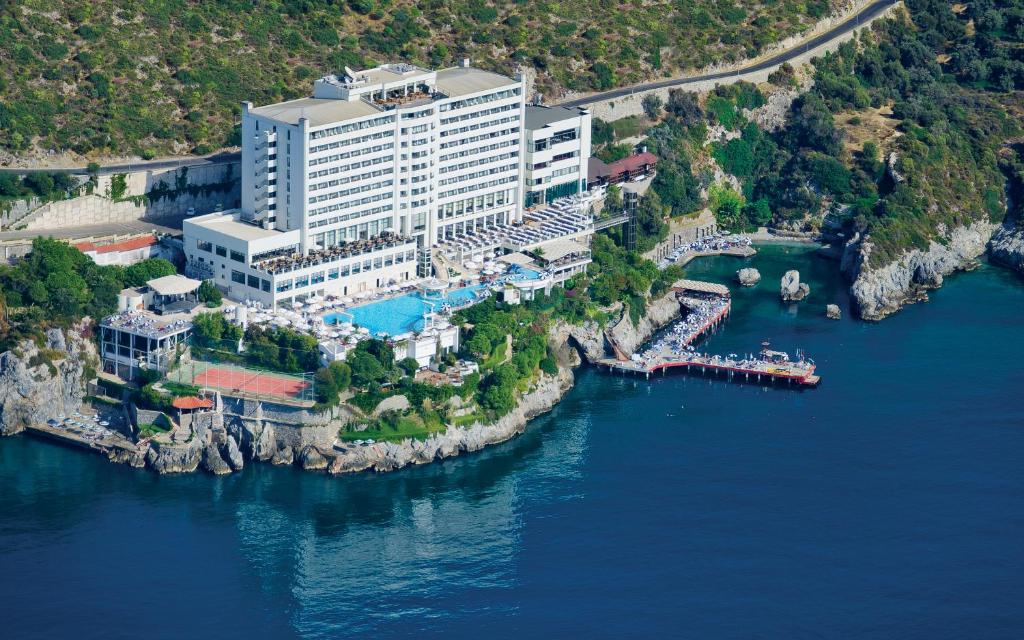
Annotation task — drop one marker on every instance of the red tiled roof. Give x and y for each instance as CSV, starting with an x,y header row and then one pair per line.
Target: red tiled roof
x,y
124,245
192,402
632,163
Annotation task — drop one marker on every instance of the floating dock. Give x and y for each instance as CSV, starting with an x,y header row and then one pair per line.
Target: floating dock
x,y
711,304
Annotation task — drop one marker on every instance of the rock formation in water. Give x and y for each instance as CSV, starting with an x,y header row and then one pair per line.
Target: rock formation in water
x,y
748,277
881,291
791,289
833,312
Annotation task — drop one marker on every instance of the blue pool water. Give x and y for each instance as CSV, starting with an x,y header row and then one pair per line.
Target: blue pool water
x,y
402,314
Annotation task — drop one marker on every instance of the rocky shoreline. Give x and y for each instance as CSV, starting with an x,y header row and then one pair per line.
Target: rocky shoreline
x,y
881,291
236,431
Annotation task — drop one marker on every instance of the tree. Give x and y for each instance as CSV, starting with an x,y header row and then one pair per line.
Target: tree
x,y
140,273
652,106
366,369
409,365
209,294
685,107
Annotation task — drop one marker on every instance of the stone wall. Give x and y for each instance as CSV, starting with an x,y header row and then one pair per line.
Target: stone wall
x,y
147,195
97,210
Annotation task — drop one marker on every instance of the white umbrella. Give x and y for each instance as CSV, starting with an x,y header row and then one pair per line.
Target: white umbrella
x,y
346,300
296,304
364,330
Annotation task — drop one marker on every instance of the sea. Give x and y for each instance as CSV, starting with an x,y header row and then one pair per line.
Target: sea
x,y
886,503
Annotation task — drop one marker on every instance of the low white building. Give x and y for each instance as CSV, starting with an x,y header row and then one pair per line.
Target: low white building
x,y
125,252
250,262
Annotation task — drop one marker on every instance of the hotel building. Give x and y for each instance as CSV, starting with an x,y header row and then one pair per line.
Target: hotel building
x,y
351,189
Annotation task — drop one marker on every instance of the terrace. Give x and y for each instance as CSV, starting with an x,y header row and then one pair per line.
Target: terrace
x,y
563,218
295,261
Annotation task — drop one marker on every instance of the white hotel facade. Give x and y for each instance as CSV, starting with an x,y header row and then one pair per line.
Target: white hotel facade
x,y
348,190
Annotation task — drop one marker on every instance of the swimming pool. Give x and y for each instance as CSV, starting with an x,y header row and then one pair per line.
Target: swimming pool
x,y
403,314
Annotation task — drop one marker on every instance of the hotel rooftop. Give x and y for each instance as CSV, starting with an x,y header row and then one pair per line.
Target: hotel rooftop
x,y
357,94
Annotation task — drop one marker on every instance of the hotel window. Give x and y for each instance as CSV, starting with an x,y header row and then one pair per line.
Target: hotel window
x,y
378,262
345,270
238,257
238,276
285,285
317,278
332,274
301,282
253,282
265,285
202,245
221,251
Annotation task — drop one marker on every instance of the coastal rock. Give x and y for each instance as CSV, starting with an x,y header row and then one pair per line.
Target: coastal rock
x,y
1007,246
833,312
882,291
748,277
168,458
659,313
212,461
388,456
283,456
312,460
233,455
791,289
36,387
392,403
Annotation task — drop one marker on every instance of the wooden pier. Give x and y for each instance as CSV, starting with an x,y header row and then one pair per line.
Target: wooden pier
x,y
769,366
790,373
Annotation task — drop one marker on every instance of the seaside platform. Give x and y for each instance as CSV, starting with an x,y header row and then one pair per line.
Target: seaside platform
x,y
709,305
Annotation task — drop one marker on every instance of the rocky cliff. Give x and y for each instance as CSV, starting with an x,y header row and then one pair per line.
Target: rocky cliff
x,y
879,292
590,341
1007,245
388,456
39,383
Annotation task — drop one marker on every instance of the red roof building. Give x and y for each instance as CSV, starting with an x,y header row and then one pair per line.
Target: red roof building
x,y
191,403
624,170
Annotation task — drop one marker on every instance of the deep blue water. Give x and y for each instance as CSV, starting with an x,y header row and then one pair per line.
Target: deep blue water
x,y
888,503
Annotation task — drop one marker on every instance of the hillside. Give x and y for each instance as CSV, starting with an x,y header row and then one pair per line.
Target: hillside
x,y
151,77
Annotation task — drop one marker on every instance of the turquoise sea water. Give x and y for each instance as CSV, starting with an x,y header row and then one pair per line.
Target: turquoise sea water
x,y
888,503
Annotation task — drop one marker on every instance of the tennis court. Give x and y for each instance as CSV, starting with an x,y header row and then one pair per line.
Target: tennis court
x,y
232,379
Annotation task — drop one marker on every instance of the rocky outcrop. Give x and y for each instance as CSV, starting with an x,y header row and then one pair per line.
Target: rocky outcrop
x,y
173,458
233,455
37,385
1007,246
312,460
213,462
392,403
659,313
882,291
833,312
388,456
748,277
791,289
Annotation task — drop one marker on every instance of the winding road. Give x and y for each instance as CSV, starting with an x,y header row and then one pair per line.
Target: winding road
x,y
866,14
